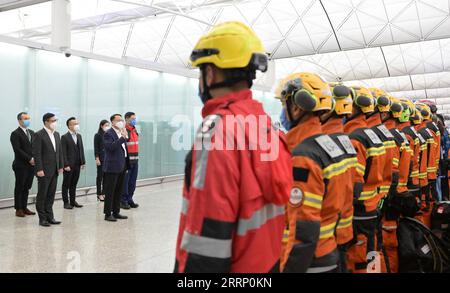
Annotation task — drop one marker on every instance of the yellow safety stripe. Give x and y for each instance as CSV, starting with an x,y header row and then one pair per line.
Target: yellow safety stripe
x,y
327,231
422,175
414,173
366,195
431,141
372,152
423,147
360,168
345,222
395,162
313,200
339,168
438,133
416,141
384,188
389,144
285,236
401,184
431,169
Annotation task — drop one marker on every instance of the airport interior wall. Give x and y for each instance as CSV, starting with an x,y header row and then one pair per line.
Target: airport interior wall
x,y
167,105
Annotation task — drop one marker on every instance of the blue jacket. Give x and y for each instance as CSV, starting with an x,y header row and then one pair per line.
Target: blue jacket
x,y
115,160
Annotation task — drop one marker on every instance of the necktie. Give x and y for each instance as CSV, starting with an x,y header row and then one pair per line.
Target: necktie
x,y
28,135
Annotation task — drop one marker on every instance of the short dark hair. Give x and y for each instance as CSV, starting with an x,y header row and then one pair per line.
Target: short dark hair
x,y
113,117
47,116
129,114
19,116
70,119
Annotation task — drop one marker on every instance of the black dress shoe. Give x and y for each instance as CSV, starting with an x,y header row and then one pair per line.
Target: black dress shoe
x,y
54,222
77,205
68,206
134,205
125,206
110,218
44,223
120,217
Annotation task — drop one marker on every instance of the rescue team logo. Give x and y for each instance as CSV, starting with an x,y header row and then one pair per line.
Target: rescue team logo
x,y
232,132
296,197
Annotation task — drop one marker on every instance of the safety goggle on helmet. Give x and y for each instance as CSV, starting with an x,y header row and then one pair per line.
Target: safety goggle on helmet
x,y
382,101
342,99
306,90
363,99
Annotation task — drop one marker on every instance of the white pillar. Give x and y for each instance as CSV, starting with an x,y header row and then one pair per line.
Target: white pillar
x,y
61,18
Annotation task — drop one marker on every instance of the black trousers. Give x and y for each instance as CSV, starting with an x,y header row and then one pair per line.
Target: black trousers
x,y
46,196
69,185
24,181
100,180
113,187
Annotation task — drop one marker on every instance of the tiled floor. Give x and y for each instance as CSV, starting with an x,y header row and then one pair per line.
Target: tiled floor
x,y
86,243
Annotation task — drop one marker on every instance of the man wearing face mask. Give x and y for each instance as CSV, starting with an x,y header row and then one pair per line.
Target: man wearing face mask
x,y
49,162
133,153
23,164
74,161
115,166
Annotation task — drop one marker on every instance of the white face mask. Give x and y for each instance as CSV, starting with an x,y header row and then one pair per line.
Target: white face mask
x,y
120,125
106,128
76,128
53,126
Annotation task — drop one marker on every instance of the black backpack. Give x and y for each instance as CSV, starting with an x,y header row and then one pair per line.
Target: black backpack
x,y
420,250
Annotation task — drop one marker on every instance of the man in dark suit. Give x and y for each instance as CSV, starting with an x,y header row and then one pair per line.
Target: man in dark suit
x,y
23,164
49,162
115,167
74,161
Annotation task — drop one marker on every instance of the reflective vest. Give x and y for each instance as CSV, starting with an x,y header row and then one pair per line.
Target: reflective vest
x,y
415,146
435,149
132,143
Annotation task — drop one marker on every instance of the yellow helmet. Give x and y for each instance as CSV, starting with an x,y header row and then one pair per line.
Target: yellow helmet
x,y
425,110
343,99
396,107
383,103
417,117
306,90
230,45
363,99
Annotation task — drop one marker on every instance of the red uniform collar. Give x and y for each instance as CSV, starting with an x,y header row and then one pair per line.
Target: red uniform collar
x,y
373,120
213,104
390,124
404,124
333,125
357,122
129,127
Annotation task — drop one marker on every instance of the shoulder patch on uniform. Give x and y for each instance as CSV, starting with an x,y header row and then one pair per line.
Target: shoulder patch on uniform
x,y
385,131
429,132
296,197
422,140
414,130
329,146
300,174
405,140
372,136
347,144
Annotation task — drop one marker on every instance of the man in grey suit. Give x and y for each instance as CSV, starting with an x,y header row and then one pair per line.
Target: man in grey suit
x,y
49,162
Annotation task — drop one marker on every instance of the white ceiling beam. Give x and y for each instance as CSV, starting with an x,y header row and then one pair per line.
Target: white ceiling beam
x,y
10,5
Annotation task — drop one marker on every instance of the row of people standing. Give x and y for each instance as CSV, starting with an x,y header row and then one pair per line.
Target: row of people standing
x,y
45,154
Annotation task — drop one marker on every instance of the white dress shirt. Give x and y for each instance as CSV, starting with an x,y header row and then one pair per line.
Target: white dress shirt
x,y
123,145
74,136
52,137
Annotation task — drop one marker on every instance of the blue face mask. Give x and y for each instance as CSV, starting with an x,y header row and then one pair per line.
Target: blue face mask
x,y
26,123
133,122
284,121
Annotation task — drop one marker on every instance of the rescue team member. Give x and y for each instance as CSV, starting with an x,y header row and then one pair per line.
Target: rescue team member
x,y
370,154
312,211
399,201
424,139
411,134
434,152
234,200
333,126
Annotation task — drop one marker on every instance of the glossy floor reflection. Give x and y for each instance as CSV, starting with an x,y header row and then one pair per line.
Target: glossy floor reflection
x,y
143,243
